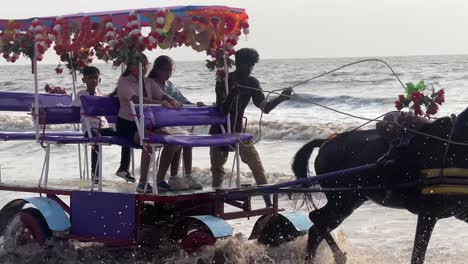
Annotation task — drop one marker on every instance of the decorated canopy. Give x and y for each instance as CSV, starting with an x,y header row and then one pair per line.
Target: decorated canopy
x,y
117,36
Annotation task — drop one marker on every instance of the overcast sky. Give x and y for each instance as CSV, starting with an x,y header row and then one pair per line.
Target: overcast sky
x,y
309,28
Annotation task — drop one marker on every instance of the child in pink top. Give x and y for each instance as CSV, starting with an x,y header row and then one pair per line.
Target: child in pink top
x,y
127,90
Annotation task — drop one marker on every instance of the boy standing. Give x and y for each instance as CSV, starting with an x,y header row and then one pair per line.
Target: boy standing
x,y
235,103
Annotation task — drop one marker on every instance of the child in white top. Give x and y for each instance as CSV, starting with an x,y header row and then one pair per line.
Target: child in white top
x,y
91,77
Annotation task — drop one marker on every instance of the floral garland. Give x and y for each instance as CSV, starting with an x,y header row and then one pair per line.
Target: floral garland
x,y
14,42
157,34
41,38
218,63
217,52
128,44
414,98
77,42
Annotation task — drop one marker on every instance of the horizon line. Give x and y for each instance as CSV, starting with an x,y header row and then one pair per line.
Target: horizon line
x,y
4,63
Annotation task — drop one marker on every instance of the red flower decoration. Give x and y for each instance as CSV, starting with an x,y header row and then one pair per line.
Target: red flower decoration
x,y
420,103
432,109
417,110
417,97
399,105
440,99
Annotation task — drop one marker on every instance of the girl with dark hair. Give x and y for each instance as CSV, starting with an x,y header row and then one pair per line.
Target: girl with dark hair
x,y
128,90
162,70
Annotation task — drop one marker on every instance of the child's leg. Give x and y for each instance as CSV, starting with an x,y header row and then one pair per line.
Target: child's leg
x,y
188,179
126,129
175,163
94,157
145,161
125,159
167,156
187,156
94,154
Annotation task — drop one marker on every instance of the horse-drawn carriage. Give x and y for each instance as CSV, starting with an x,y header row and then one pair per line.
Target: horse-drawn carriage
x,y
421,170
91,212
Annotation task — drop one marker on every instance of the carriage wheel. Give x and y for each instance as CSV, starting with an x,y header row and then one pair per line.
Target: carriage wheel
x,y
195,240
28,227
277,231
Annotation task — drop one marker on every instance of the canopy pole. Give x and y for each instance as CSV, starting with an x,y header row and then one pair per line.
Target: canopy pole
x,y
77,127
140,94
226,83
140,101
36,92
73,72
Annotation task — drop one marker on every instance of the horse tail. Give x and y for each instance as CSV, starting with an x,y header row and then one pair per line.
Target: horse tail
x,y
300,164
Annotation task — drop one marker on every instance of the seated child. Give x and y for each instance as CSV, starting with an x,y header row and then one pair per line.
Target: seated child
x,y
126,91
161,72
91,78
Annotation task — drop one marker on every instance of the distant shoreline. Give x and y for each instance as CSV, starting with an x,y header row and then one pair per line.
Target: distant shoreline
x,y
21,63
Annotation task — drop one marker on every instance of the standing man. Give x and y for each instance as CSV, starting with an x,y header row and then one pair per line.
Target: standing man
x,y
235,103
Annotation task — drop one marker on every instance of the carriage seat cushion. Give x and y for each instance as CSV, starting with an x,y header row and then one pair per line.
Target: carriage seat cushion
x,y
111,140
14,101
31,135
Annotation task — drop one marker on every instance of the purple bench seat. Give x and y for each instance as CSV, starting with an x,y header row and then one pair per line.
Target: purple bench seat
x,y
70,139
30,135
158,116
199,140
22,102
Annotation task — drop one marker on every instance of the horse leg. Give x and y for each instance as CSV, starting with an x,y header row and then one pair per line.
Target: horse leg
x,y
424,230
339,206
338,254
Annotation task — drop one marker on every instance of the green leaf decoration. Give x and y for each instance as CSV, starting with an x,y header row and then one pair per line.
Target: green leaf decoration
x,y
410,88
421,86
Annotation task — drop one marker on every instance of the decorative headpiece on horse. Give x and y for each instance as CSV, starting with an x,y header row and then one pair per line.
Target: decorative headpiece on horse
x,y
415,98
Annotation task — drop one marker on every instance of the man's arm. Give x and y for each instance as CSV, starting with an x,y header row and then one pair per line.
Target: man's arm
x,y
259,99
278,100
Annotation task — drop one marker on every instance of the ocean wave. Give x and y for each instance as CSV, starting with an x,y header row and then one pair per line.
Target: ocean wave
x,y
464,77
347,81
15,123
6,83
277,130
337,100
24,123
336,74
436,77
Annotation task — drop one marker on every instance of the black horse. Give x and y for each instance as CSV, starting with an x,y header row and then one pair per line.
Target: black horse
x,y
356,148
